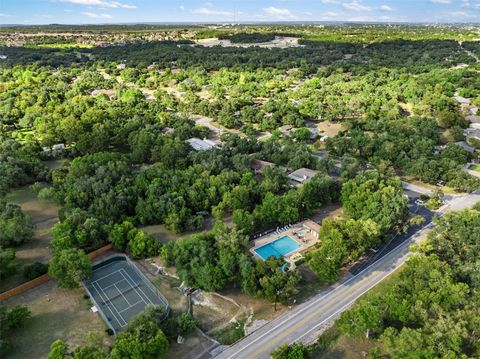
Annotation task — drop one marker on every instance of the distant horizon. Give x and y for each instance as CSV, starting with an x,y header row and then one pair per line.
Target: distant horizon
x,y
259,22
108,12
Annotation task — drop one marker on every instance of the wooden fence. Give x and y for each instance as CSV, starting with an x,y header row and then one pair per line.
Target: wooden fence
x,y
22,288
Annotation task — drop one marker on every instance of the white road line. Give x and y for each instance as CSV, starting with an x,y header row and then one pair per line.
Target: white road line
x,y
287,315
347,305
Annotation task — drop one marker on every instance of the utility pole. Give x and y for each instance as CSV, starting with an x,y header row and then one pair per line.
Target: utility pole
x,y
277,293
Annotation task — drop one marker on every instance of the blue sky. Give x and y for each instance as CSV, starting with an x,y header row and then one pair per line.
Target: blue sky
x,y
115,11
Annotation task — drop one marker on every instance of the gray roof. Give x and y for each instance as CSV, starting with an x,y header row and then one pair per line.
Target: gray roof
x,y
201,145
302,175
466,146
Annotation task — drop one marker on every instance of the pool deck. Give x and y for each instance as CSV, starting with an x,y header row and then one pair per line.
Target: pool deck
x,y
305,237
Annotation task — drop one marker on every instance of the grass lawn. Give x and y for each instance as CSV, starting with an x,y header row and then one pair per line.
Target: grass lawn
x,y
230,334
475,167
44,216
56,314
445,189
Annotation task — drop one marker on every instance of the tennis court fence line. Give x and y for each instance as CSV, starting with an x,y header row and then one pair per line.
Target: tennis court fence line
x,y
22,288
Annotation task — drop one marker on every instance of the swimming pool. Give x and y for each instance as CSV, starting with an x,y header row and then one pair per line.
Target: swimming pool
x,y
278,248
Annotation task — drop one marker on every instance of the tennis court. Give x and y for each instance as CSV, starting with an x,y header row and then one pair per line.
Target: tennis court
x,y
120,291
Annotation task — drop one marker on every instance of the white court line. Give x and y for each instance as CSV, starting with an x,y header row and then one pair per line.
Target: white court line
x,y
106,305
122,294
108,275
111,312
140,289
140,301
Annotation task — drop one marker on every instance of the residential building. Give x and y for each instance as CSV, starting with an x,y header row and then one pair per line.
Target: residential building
x,y
202,145
300,176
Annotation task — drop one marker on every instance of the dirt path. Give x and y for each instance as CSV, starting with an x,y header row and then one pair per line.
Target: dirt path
x,y
469,53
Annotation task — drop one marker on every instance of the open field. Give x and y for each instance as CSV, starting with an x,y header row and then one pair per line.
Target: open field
x,y
281,42
56,314
168,286
44,216
445,189
475,168
330,129
162,234
331,210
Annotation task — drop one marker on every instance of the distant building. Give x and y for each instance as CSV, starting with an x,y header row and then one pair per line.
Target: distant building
x,y
473,118
313,131
55,151
300,176
167,130
320,154
3,57
472,133
324,139
286,129
121,66
202,145
462,100
465,146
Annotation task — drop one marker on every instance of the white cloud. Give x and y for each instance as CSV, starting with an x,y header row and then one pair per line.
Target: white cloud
x,y
462,14
278,13
331,15
181,7
212,12
4,15
102,3
469,5
356,5
386,8
441,1
329,1
97,16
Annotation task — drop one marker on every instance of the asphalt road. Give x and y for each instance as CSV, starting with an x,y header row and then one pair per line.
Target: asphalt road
x,y
305,322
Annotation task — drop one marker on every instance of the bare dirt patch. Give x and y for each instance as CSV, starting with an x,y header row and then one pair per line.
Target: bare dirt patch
x,y
332,210
56,314
329,128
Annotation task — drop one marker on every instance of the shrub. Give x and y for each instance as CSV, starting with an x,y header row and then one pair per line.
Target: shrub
x,y
32,271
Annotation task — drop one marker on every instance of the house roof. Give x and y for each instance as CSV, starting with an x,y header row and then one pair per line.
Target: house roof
x,y
466,146
302,174
473,118
314,226
201,145
461,99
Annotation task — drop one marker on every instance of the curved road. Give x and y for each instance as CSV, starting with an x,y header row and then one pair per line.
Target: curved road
x,y
306,321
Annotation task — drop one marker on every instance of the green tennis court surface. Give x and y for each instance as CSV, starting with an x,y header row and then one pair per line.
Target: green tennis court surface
x,y
120,291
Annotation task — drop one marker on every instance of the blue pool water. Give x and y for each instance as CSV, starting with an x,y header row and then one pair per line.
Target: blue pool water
x,y
278,248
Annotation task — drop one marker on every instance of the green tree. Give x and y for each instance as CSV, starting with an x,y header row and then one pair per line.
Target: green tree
x,y
15,227
142,245
328,258
7,263
186,323
58,350
370,196
69,267
293,351
11,319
